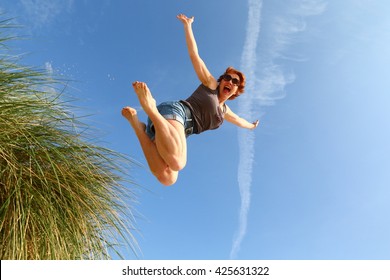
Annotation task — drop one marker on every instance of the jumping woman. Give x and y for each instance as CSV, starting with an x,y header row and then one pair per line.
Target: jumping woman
x,y
163,138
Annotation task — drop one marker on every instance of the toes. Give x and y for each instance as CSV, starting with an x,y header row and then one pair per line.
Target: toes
x,y
128,111
124,111
141,87
138,85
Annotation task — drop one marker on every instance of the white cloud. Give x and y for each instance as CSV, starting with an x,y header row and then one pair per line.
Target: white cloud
x,y
43,12
271,85
267,80
245,165
246,138
306,8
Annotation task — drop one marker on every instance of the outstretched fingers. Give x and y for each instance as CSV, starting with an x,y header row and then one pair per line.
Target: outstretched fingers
x,y
184,19
255,124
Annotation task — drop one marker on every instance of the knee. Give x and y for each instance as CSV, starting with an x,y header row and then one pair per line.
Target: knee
x,y
167,178
177,164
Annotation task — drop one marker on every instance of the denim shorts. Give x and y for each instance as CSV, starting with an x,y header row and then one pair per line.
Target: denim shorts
x,y
172,110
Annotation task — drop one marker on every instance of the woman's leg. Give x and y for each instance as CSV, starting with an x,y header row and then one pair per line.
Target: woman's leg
x,y
157,165
170,136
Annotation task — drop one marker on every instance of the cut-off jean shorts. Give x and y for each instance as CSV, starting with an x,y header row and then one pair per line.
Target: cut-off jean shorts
x,y
172,110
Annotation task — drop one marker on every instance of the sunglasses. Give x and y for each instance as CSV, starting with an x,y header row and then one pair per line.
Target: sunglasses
x,y
227,78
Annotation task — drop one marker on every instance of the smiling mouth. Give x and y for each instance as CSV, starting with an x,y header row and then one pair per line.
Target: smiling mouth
x,y
226,89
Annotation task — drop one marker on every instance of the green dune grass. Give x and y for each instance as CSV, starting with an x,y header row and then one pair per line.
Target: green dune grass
x,y
62,196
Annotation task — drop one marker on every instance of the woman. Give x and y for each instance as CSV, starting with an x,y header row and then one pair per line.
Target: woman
x,y
163,139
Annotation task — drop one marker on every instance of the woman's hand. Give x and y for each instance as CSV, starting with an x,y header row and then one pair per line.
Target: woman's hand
x,y
184,19
255,124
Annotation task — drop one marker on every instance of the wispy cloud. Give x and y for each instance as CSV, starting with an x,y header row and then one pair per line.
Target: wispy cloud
x,y
247,139
266,84
43,12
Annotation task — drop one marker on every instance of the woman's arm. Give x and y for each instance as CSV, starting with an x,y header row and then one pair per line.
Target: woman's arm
x,y
240,122
200,67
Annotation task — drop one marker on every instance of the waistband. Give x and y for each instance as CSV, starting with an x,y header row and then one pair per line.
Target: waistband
x,y
191,127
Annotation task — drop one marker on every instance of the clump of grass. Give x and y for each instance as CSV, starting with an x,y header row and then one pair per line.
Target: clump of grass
x,y
61,196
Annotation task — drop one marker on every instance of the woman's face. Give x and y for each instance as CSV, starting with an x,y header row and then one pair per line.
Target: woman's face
x,y
229,85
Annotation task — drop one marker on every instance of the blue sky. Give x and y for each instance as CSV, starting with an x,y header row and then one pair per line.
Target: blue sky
x,y
312,182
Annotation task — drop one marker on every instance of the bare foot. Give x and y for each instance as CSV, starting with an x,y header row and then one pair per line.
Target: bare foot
x,y
145,97
131,115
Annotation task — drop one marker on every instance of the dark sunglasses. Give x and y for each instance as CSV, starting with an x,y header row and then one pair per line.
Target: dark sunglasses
x,y
227,78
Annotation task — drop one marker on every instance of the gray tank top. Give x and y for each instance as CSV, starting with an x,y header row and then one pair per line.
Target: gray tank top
x,y
204,106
